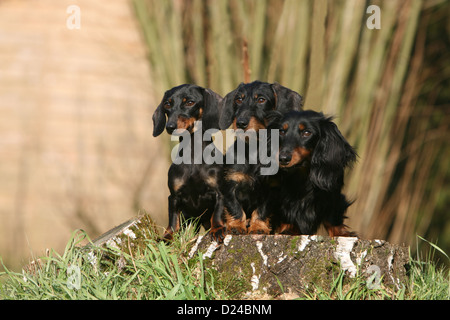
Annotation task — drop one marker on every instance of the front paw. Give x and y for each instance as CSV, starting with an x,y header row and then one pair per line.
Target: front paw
x,y
237,226
237,230
218,233
259,227
258,231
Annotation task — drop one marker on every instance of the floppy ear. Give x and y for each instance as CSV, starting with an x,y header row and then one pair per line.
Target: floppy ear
x,y
287,99
227,109
331,156
273,119
211,109
159,120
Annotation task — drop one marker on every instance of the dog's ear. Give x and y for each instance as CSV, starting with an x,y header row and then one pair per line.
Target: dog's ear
x,y
273,119
211,109
286,98
159,120
331,156
227,109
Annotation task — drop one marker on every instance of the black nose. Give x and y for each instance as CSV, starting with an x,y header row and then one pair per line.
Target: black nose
x,y
241,123
284,158
171,126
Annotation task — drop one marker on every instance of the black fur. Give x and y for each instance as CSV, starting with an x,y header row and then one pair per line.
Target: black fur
x,y
313,155
247,108
194,188
276,97
176,104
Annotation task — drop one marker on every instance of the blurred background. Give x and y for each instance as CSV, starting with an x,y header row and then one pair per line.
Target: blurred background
x,y
75,132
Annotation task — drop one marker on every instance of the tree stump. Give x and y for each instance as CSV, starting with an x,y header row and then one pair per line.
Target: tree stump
x,y
271,265
277,264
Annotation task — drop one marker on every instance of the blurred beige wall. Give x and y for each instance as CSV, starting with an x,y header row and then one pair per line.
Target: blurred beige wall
x,y
76,149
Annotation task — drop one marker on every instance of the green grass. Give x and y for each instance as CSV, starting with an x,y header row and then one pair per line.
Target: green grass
x,y
161,271
426,281
156,271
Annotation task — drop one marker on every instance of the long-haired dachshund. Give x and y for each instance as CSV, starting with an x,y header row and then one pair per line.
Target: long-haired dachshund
x,y
194,188
246,108
313,155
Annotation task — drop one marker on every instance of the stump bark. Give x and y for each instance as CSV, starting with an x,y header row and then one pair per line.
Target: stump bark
x,y
280,264
271,265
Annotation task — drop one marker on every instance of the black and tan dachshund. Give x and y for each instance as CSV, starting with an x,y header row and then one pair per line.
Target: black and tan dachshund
x,y
194,187
246,108
313,155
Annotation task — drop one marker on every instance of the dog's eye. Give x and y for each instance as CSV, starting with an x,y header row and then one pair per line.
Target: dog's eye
x,y
282,132
238,100
306,133
166,104
261,100
190,103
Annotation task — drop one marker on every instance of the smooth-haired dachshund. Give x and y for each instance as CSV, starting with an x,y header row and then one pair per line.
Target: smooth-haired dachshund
x,y
313,155
194,188
246,108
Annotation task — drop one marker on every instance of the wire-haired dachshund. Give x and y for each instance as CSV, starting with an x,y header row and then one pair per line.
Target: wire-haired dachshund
x,y
313,155
194,188
246,108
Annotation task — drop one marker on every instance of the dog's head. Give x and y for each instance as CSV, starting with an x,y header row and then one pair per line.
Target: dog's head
x,y
185,104
309,139
248,105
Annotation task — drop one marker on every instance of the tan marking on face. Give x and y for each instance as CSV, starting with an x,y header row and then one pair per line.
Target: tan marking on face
x,y
285,126
170,104
298,155
186,123
255,124
301,126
